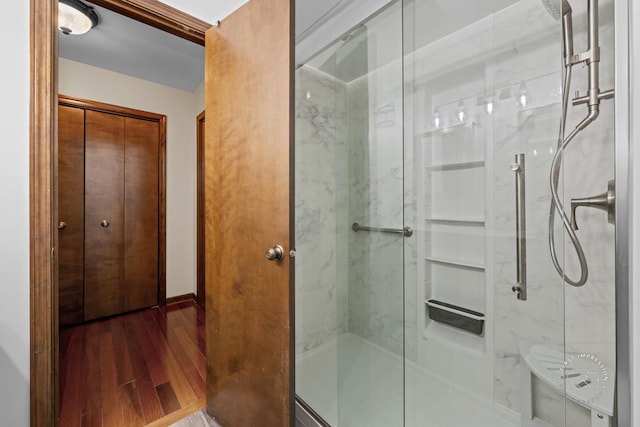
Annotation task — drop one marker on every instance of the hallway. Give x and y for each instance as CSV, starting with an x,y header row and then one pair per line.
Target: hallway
x,y
137,369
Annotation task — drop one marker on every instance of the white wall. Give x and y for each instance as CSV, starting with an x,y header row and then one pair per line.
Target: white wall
x,y
14,219
181,108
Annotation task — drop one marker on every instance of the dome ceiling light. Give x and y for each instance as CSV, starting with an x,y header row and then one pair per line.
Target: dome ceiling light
x,y
76,17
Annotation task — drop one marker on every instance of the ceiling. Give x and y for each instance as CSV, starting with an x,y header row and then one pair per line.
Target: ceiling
x,y
207,10
129,47
126,46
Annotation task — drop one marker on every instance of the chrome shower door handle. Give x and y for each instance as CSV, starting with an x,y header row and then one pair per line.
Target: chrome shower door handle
x,y
520,288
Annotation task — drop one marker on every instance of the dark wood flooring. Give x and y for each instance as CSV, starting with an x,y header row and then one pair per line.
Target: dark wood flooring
x,y
137,369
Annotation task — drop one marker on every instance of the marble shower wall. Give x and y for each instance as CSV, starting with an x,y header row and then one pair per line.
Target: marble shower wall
x,y
519,49
376,260
321,209
582,318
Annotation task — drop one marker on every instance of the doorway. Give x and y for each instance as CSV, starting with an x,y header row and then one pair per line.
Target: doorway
x,y
44,298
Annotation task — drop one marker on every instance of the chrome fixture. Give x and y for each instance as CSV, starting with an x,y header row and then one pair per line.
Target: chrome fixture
x,y
406,232
275,253
565,13
76,17
605,201
520,288
591,57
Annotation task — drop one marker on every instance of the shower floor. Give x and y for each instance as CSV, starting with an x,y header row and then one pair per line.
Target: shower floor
x,y
368,381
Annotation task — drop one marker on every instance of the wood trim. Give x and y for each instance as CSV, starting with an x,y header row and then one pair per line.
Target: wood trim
x,y
43,125
200,261
162,217
161,16
43,284
181,298
102,107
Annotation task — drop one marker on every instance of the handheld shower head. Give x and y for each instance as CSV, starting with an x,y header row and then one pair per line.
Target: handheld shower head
x,y
554,10
563,10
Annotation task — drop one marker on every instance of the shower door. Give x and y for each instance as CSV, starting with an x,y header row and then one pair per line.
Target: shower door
x,y
426,294
494,337
349,227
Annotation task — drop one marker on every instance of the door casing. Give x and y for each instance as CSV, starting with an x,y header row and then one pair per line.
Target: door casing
x,y
200,246
43,285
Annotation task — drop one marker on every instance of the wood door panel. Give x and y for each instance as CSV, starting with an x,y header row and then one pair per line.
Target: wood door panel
x,y
141,214
71,213
104,200
249,67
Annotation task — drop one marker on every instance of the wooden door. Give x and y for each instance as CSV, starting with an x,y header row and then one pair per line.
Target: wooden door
x,y
249,302
141,213
104,214
71,214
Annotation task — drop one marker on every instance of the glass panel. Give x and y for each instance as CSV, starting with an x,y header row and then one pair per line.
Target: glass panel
x,y
320,236
483,82
415,117
349,280
370,358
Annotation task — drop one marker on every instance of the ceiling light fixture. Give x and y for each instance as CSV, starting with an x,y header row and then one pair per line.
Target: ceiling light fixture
x,y
75,17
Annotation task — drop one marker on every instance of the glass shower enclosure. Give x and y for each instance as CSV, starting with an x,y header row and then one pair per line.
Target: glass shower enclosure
x,y
426,294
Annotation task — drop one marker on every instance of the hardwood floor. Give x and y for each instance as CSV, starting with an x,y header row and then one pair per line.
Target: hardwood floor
x,y
137,369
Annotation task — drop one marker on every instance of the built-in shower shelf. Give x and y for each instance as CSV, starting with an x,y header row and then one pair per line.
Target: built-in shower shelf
x,y
455,262
455,166
445,130
456,316
456,220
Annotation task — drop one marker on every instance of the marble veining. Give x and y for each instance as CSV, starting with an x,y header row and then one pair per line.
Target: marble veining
x,y
320,208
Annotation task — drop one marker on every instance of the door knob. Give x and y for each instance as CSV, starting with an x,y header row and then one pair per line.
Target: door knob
x,y
62,225
275,253
105,223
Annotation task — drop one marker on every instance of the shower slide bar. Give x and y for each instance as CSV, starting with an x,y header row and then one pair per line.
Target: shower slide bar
x,y
406,232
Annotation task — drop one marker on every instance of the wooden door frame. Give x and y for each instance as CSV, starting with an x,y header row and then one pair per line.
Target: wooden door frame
x,y
161,119
43,141
200,259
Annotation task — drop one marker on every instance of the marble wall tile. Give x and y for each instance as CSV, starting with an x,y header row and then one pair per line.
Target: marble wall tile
x,y
580,318
376,163
321,208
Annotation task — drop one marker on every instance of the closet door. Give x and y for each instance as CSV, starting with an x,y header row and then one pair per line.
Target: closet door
x,y
70,214
104,214
141,214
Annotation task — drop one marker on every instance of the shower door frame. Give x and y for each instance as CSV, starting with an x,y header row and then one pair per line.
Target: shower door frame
x,y
625,42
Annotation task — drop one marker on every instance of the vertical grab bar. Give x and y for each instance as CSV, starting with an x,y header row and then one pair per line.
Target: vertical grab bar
x,y
520,289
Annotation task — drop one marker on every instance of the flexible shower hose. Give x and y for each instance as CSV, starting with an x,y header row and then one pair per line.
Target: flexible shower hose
x,y
556,203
